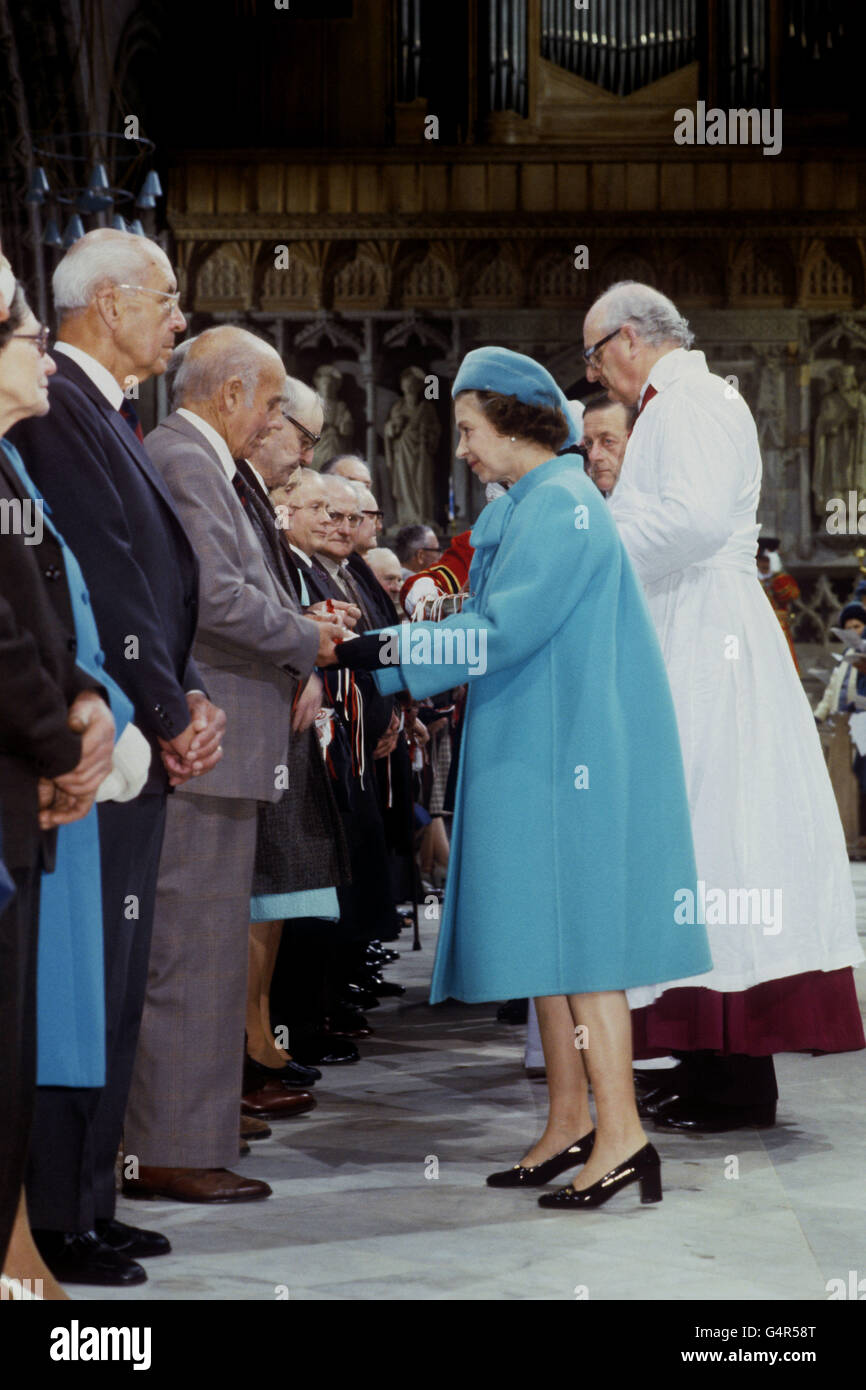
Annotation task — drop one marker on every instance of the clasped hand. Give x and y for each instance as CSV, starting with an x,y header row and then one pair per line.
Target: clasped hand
x,y
70,797
199,747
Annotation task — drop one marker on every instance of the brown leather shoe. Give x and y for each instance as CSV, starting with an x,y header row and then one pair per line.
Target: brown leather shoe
x,y
276,1100
251,1128
195,1185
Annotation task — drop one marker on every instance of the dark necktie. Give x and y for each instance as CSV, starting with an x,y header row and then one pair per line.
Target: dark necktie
x,y
357,596
130,415
647,397
260,509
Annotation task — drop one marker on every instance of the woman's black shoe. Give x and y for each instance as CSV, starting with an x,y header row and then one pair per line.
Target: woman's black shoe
x,y
540,1173
643,1167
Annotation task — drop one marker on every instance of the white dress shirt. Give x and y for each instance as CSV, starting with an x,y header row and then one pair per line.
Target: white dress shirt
x,y
99,375
216,441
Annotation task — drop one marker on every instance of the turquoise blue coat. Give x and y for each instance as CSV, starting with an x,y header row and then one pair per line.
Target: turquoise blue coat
x,y
571,830
70,972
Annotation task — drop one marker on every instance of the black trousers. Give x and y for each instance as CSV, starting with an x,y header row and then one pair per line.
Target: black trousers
x,y
736,1081
77,1131
304,967
19,928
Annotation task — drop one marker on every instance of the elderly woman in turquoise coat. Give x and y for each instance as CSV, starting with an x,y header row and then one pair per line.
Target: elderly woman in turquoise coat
x,y
571,843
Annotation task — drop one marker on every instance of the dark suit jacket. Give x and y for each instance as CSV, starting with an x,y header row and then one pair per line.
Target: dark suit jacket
x,y
38,680
115,512
377,600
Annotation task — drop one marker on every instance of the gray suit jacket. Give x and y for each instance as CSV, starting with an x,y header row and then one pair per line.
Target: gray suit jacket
x,y
252,645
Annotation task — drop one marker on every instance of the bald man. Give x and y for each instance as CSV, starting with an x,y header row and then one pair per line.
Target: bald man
x,y
118,312
388,571
349,466
255,651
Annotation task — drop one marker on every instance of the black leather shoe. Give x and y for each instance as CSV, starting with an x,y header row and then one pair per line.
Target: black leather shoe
x,y
655,1103
80,1257
349,1022
643,1167
358,996
325,1050
659,1079
383,989
382,953
292,1074
689,1118
132,1241
540,1173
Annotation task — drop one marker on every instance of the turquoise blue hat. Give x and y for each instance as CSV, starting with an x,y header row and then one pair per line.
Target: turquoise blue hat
x,y
513,374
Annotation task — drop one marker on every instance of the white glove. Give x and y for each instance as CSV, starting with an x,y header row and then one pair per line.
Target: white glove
x,y
422,589
130,764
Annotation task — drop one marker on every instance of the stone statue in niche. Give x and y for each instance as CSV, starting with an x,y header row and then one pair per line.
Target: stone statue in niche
x,y
412,433
338,430
770,419
840,439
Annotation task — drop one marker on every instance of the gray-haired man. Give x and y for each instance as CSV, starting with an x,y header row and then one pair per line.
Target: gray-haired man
x,y
252,647
117,304
766,829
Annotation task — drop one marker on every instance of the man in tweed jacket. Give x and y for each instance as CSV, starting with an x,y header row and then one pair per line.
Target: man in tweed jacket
x,y
252,647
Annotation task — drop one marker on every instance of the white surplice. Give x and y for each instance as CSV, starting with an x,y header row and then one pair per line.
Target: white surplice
x,y
763,811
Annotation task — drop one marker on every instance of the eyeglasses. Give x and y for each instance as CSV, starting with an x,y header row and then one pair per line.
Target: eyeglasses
x,y
378,515
429,550
590,352
308,434
353,518
173,299
40,339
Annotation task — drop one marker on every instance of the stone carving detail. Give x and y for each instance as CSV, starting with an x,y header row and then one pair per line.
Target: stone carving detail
x,y
827,279
412,433
840,440
769,410
498,281
626,265
756,275
694,277
295,286
338,430
816,611
361,283
223,280
555,279
428,282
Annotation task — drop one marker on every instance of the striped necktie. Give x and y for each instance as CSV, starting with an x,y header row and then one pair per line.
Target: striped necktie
x,y
130,415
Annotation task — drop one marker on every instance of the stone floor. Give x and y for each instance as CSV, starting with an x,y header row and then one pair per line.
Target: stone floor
x,y
379,1193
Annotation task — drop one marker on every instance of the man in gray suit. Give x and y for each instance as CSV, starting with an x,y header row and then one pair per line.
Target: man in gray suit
x,y
252,646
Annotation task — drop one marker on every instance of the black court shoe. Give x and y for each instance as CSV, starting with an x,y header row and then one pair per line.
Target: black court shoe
x,y
540,1173
643,1167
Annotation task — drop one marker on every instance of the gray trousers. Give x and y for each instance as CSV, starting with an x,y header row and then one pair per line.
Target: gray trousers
x,y
184,1104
